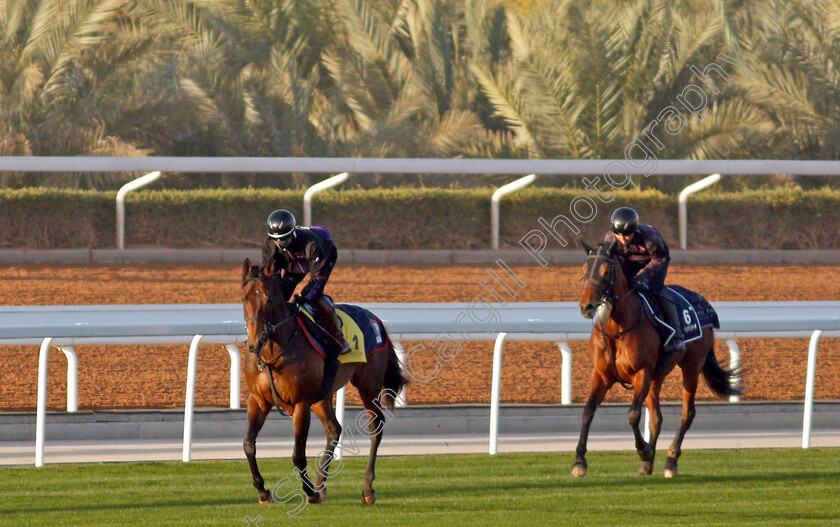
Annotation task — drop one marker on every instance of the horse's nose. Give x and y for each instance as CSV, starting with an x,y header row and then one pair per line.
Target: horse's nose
x,y
586,309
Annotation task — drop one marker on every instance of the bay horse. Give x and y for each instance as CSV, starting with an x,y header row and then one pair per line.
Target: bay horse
x,y
280,354
625,348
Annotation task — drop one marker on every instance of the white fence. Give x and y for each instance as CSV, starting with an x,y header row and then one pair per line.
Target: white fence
x,y
560,322
345,165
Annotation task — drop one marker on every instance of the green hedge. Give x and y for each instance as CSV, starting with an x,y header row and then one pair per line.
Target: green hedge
x,y
405,218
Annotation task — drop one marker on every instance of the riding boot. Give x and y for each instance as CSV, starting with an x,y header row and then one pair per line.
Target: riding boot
x,y
670,309
326,310
676,345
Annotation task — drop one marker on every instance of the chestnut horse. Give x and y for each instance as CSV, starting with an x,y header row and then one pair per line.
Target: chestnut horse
x,y
625,348
280,354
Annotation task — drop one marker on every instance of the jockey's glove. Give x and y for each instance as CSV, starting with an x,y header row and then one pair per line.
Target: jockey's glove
x,y
643,285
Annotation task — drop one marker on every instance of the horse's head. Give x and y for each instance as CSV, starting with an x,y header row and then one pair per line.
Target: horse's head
x,y
599,276
261,301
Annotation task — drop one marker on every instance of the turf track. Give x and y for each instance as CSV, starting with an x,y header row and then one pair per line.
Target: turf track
x,y
715,487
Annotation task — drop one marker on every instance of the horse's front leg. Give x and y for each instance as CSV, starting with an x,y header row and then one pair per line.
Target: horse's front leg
x,y
597,392
257,412
301,419
641,387
325,412
652,403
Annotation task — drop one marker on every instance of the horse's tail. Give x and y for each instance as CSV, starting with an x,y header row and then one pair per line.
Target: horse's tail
x,y
719,378
394,379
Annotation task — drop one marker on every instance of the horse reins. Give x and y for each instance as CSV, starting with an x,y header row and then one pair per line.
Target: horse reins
x,y
609,296
263,364
265,336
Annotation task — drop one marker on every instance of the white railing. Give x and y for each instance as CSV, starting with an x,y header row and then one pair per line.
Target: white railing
x,y
345,165
415,166
559,322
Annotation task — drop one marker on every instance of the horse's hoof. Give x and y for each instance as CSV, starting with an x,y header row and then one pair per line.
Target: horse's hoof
x,y
316,498
670,467
267,501
646,469
578,470
369,500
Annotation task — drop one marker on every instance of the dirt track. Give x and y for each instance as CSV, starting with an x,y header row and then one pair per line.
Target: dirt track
x,y
154,376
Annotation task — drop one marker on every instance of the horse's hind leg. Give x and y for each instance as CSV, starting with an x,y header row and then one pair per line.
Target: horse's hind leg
x,y
690,379
326,413
652,403
376,421
257,413
597,392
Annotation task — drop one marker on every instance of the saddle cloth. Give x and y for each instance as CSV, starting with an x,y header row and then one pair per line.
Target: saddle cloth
x,y
693,311
362,329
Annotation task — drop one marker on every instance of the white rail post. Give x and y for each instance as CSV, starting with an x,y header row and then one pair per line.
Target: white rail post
x,y
495,392
41,404
340,396
809,388
646,418
235,388
565,372
72,378
125,189
494,205
734,364
190,398
316,188
401,400
687,191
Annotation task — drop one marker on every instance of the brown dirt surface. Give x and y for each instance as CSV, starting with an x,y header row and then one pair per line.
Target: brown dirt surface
x,y
112,377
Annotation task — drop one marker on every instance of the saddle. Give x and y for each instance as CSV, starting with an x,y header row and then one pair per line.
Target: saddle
x,y
362,329
693,311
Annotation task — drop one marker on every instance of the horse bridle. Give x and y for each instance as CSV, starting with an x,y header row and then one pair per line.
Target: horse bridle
x,y
608,295
268,334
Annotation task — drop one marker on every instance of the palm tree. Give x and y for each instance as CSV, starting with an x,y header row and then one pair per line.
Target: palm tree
x,y
64,66
586,80
794,54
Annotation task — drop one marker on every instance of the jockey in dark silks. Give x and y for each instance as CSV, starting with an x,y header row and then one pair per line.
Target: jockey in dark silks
x,y
644,258
296,252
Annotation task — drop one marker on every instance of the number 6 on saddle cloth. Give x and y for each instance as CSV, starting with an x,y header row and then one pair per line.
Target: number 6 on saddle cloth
x,y
694,312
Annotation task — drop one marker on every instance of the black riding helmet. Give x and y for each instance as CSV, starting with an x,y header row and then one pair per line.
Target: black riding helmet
x,y
281,224
624,221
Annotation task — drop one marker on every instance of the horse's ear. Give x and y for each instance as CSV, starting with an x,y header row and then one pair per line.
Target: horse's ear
x,y
586,246
246,267
269,267
611,248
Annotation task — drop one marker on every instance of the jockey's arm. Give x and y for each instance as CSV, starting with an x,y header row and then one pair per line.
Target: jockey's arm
x,y
317,280
659,257
289,282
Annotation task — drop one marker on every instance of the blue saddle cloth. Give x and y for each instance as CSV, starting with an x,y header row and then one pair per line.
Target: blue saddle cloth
x,y
693,311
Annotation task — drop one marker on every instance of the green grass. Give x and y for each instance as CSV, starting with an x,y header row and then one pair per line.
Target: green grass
x,y
734,487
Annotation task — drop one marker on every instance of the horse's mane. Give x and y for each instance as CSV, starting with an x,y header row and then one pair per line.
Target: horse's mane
x,y
271,281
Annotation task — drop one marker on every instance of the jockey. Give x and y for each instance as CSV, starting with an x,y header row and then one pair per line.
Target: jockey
x,y
298,251
644,258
